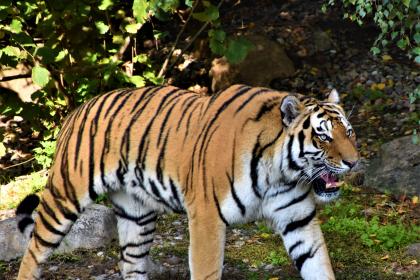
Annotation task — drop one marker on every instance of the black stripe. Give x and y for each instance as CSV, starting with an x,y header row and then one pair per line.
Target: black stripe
x,y
121,171
138,256
114,101
85,108
147,232
135,245
235,196
122,257
187,131
44,242
254,95
292,164
294,246
307,122
69,215
166,118
161,157
219,211
155,190
174,192
204,163
301,138
48,226
257,153
148,221
289,188
299,261
266,108
123,214
50,212
33,256
294,201
136,272
158,196
320,115
299,223
254,167
187,104
143,95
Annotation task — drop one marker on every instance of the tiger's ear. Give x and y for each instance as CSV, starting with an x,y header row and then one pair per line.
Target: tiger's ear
x,y
290,108
333,96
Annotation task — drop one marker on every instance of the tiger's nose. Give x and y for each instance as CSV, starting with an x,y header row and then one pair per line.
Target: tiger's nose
x,y
350,164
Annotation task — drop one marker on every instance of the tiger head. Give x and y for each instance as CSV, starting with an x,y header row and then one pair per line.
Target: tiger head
x,y
322,142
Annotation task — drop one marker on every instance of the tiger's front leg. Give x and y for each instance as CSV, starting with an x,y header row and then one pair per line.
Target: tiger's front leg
x,y
207,243
294,217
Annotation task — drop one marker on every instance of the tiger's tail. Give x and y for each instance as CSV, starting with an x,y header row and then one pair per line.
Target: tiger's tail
x,y
24,213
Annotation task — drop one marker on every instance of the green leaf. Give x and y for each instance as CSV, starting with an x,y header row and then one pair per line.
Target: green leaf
x,y
61,55
140,11
133,28
189,3
138,81
217,34
40,76
141,58
237,50
3,150
11,51
102,27
417,38
394,34
375,50
416,50
217,47
105,4
118,39
402,44
406,3
15,26
211,13
417,59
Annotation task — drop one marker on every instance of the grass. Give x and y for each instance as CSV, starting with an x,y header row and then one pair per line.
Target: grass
x,y
12,193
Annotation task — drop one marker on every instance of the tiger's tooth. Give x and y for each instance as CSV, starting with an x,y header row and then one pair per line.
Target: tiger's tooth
x,y
328,185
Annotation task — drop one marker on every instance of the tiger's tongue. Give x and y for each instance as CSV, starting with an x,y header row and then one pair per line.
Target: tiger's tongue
x,y
330,181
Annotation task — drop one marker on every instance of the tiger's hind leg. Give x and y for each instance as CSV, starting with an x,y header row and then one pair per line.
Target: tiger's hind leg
x,y
55,217
136,226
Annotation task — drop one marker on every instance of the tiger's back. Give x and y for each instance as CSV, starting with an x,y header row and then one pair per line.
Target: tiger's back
x,y
160,149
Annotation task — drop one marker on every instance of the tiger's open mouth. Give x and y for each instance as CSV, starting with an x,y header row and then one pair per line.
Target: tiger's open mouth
x,y
327,185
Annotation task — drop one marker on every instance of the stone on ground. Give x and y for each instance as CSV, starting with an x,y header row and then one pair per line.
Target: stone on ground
x,y
264,63
396,168
95,228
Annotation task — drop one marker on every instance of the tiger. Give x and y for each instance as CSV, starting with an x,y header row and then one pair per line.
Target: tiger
x,y
240,155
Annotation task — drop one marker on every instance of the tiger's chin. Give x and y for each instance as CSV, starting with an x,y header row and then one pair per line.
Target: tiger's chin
x,y
326,188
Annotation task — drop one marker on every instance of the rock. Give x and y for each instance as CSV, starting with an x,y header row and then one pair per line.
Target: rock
x,y
265,62
321,41
174,260
396,168
413,250
95,228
